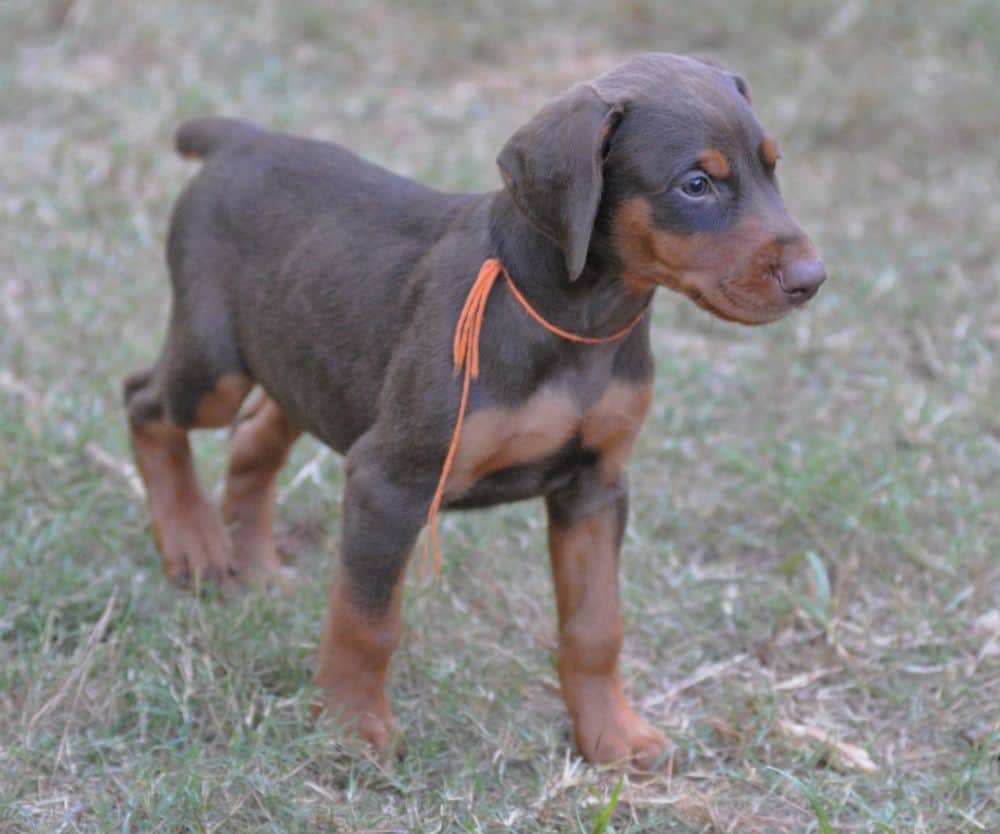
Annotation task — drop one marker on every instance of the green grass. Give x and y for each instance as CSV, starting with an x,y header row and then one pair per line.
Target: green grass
x,y
816,511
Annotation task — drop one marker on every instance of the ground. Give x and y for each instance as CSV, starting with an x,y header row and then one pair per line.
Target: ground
x,y
810,578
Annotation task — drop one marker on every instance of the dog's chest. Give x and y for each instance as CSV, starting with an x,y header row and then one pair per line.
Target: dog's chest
x,y
522,448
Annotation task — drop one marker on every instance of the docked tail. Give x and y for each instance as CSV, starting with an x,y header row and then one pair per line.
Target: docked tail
x,y
200,137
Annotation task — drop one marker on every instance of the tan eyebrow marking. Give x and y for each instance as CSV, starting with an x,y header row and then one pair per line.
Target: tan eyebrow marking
x,y
714,163
769,151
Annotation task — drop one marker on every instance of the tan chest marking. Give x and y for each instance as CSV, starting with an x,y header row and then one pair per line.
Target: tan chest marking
x,y
611,426
495,439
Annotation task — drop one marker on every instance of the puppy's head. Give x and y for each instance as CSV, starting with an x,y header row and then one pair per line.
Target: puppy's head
x,y
665,157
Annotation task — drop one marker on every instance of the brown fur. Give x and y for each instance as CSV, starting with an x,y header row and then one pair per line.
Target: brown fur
x,y
335,286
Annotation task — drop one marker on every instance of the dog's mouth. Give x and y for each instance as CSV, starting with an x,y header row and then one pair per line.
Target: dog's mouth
x,y
751,308
726,299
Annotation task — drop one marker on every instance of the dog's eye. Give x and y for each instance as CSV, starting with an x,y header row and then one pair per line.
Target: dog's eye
x,y
696,186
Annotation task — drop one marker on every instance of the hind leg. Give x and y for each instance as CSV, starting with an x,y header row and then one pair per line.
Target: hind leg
x,y
259,446
193,543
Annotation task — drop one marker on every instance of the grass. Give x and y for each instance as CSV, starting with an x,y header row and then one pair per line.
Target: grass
x,y
810,576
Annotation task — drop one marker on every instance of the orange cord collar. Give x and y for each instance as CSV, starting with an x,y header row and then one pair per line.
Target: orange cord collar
x,y
465,357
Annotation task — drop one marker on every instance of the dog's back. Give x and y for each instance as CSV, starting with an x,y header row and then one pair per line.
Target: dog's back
x,y
269,247
260,192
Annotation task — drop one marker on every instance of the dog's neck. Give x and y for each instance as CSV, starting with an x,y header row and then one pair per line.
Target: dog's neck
x,y
595,304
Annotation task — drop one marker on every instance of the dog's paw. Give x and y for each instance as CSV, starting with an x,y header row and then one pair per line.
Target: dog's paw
x,y
258,561
622,737
383,735
195,549
372,724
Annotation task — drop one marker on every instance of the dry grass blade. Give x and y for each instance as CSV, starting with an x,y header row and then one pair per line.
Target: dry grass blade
x,y
20,389
79,672
382,831
704,673
119,468
310,471
841,755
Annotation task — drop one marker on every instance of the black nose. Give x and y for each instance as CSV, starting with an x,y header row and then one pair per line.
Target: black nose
x,y
801,279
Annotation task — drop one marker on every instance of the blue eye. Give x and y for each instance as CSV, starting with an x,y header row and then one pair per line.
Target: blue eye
x,y
697,186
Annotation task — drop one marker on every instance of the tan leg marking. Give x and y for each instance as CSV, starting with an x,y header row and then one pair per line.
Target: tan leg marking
x,y
190,536
584,565
259,446
218,407
354,653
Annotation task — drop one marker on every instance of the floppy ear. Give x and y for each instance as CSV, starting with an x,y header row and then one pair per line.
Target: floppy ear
x,y
552,168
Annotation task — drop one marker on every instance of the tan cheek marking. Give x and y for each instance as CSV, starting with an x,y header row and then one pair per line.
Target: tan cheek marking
x,y
650,257
494,439
611,426
654,257
769,151
725,273
715,164
219,406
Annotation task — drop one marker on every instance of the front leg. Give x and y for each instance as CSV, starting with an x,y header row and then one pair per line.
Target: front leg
x,y
586,524
364,616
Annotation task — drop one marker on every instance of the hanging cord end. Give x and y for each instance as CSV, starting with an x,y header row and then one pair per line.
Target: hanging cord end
x,y
465,357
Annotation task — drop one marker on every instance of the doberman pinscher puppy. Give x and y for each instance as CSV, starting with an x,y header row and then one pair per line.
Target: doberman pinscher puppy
x,y
337,288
